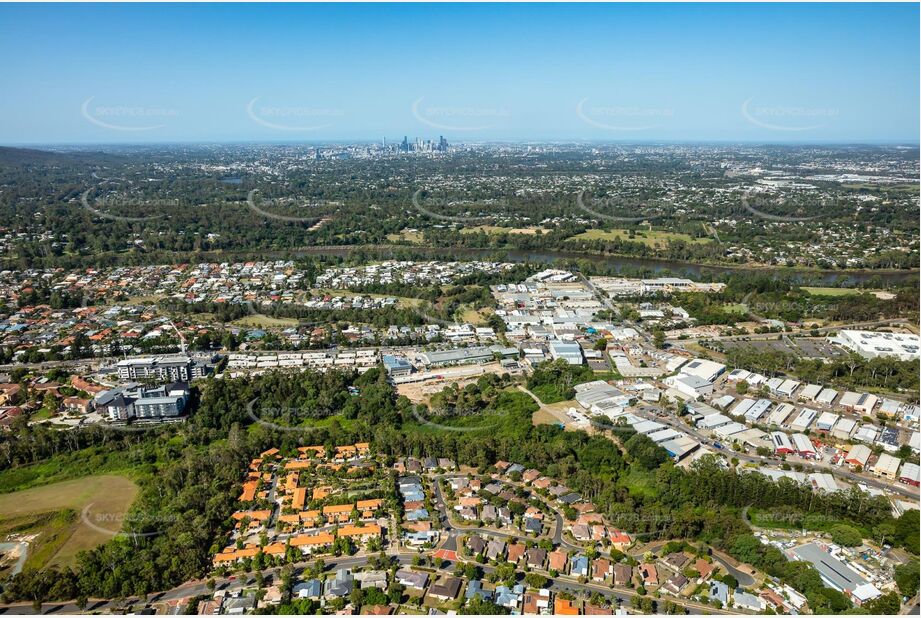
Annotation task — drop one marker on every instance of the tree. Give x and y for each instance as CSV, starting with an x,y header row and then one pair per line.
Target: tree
x,y
887,604
535,580
906,578
846,535
478,607
658,338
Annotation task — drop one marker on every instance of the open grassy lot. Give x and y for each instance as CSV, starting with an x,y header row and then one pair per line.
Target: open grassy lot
x,y
414,238
265,321
651,238
819,291
476,317
493,229
52,516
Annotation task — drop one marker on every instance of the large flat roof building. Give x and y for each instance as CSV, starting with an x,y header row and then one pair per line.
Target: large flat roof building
x,y
834,573
869,344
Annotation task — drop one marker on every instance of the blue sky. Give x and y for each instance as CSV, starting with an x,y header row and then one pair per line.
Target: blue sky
x,y
241,72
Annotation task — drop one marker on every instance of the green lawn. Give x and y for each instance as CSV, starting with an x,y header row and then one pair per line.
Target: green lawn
x,y
55,514
651,238
639,482
819,291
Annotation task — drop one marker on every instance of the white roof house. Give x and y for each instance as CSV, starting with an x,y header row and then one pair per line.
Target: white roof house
x,y
865,592
823,481
723,402
738,374
662,435
647,427
690,385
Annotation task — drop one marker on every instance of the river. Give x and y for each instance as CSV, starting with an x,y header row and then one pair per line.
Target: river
x,y
628,265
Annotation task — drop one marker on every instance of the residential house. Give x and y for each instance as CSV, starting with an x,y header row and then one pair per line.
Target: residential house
x,y
601,568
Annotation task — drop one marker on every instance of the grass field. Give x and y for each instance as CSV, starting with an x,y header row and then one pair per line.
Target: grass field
x,y
64,468
265,321
406,236
819,291
639,482
477,318
53,516
493,229
650,238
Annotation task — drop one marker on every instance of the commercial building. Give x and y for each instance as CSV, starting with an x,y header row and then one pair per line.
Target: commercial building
x,y
782,444
135,402
858,456
704,369
176,368
809,392
396,366
869,344
568,351
887,466
780,414
833,572
803,445
804,420
826,421
827,396
910,474
466,356
844,428
858,402
690,385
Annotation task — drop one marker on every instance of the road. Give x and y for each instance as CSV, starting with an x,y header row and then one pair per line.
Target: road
x,y
563,582
807,331
819,466
200,588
